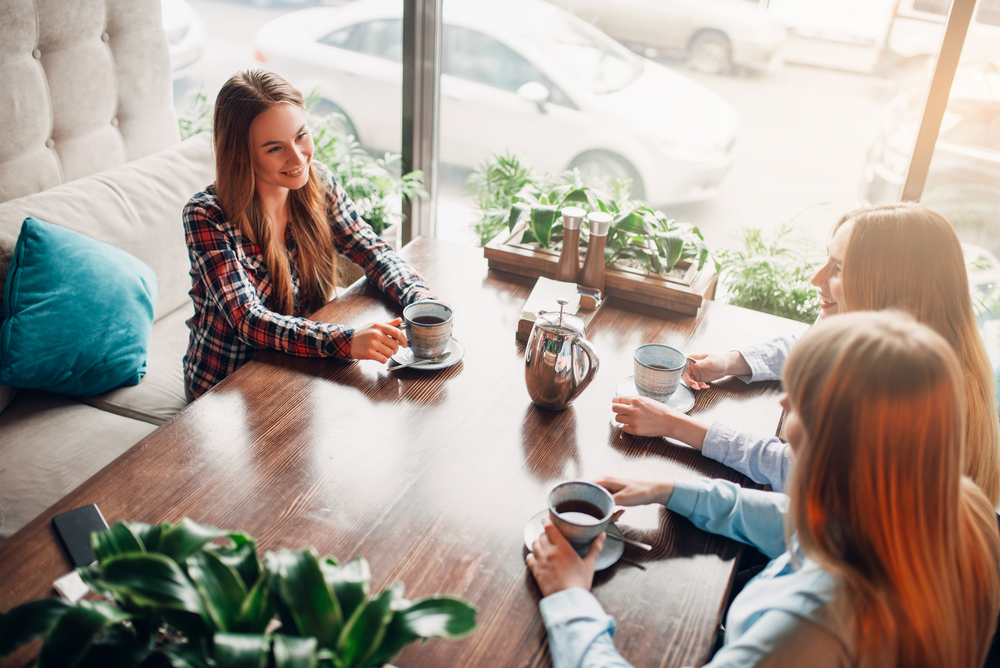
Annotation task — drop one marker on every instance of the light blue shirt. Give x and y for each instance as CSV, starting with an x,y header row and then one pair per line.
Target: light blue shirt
x,y
789,615
763,460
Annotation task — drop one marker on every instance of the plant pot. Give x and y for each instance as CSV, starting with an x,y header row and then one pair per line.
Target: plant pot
x,y
682,293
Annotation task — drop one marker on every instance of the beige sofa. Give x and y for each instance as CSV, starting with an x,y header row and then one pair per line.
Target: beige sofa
x,y
90,142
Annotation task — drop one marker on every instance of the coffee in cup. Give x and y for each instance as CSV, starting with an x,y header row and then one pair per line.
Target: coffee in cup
x,y
581,511
658,370
428,327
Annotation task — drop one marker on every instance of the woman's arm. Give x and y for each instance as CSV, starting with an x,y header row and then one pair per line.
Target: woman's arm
x,y
354,238
226,282
721,507
579,631
766,360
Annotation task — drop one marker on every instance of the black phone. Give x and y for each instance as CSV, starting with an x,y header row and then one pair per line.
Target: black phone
x,y
74,528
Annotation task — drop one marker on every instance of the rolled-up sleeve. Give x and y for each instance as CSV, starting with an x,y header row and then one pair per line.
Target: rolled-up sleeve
x,y
580,631
766,360
763,460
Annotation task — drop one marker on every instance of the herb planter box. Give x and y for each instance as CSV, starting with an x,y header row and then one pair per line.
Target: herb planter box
x,y
682,291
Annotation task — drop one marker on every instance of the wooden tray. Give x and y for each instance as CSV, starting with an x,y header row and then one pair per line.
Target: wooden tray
x,y
683,294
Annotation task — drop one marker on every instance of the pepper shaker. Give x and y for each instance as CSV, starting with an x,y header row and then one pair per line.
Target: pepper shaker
x,y
592,275
569,258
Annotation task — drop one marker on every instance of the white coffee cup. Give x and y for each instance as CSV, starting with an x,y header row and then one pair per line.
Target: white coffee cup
x,y
658,370
428,327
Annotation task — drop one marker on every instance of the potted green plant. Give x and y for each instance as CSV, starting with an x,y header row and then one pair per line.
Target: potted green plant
x,y
651,258
175,597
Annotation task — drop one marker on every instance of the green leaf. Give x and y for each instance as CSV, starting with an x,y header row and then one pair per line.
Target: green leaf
x,y
517,210
241,555
118,647
184,655
24,623
76,629
238,650
149,535
448,617
363,632
350,582
118,539
543,216
529,193
292,652
220,586
257,608
180,540
298,582
151,579
577,195
671,244
528,236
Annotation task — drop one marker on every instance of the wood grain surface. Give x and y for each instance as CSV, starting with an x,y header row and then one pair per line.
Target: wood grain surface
x,y
433,475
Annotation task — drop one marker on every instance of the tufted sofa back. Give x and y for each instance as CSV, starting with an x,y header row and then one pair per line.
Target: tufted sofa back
x,y
86,85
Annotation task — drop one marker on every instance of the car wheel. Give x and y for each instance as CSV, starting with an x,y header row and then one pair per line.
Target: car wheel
x,y
341,124
599,168
710,53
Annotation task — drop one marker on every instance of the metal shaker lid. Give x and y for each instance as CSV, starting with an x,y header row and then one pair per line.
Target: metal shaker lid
x,y
599,222
572,217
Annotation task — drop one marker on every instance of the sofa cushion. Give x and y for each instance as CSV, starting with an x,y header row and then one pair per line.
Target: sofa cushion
x,y
51,444
86,87
77,313
136,207
161,394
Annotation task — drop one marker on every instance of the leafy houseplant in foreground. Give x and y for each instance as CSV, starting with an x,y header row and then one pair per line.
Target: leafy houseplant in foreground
x,y
179,599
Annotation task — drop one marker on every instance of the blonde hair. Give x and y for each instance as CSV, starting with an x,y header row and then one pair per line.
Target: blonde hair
x,y
241,100
906,256
877,493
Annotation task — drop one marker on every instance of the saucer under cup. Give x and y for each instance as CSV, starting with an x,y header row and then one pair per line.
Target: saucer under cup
x,y
658,370
609,556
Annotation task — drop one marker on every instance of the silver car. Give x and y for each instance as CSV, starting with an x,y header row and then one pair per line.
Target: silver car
x,y
520,76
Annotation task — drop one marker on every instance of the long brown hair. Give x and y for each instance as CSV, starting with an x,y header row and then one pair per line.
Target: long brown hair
x,y
241,100
877,493
907,256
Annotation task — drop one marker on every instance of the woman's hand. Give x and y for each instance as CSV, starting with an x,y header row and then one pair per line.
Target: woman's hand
x,y
631,492
706,368
377,341
556,565
642,416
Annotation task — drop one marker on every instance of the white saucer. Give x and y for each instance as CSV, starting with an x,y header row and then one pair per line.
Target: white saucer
x,y
612,552
681,400
404,355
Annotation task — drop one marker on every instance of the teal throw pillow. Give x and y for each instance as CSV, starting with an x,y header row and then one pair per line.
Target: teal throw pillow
x,y
77,313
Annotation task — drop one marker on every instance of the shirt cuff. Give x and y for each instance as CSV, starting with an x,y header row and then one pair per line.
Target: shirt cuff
x,y
717,440
755,362
569,604
685,496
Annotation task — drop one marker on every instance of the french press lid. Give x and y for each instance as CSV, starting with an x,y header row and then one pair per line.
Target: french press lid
x,y
559,322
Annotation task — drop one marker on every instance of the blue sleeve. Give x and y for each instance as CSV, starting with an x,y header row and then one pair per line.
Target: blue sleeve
x,y
763,460
779,639
721,507
579,631
766,360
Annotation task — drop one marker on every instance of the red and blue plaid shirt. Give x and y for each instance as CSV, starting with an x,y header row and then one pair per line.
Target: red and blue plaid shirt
x,y
232,289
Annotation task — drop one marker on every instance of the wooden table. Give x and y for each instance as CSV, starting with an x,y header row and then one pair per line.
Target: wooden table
x,y
433,475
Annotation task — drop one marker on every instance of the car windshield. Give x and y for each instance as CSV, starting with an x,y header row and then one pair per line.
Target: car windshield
x,y
590,59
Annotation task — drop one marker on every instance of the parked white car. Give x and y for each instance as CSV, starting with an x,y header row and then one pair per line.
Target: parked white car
x,y
712,36
520,76
185,36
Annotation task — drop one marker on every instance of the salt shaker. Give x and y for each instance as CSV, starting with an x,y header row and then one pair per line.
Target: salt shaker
x,y
592,275
569,258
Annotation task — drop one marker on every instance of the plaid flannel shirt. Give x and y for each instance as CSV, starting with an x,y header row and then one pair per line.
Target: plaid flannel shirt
x,y
231,288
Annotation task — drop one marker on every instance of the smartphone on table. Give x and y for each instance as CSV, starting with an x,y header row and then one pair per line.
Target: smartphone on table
x,y
74,528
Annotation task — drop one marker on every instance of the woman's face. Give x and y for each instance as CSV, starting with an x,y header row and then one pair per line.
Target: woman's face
x,y
281,148
794,430
827,279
